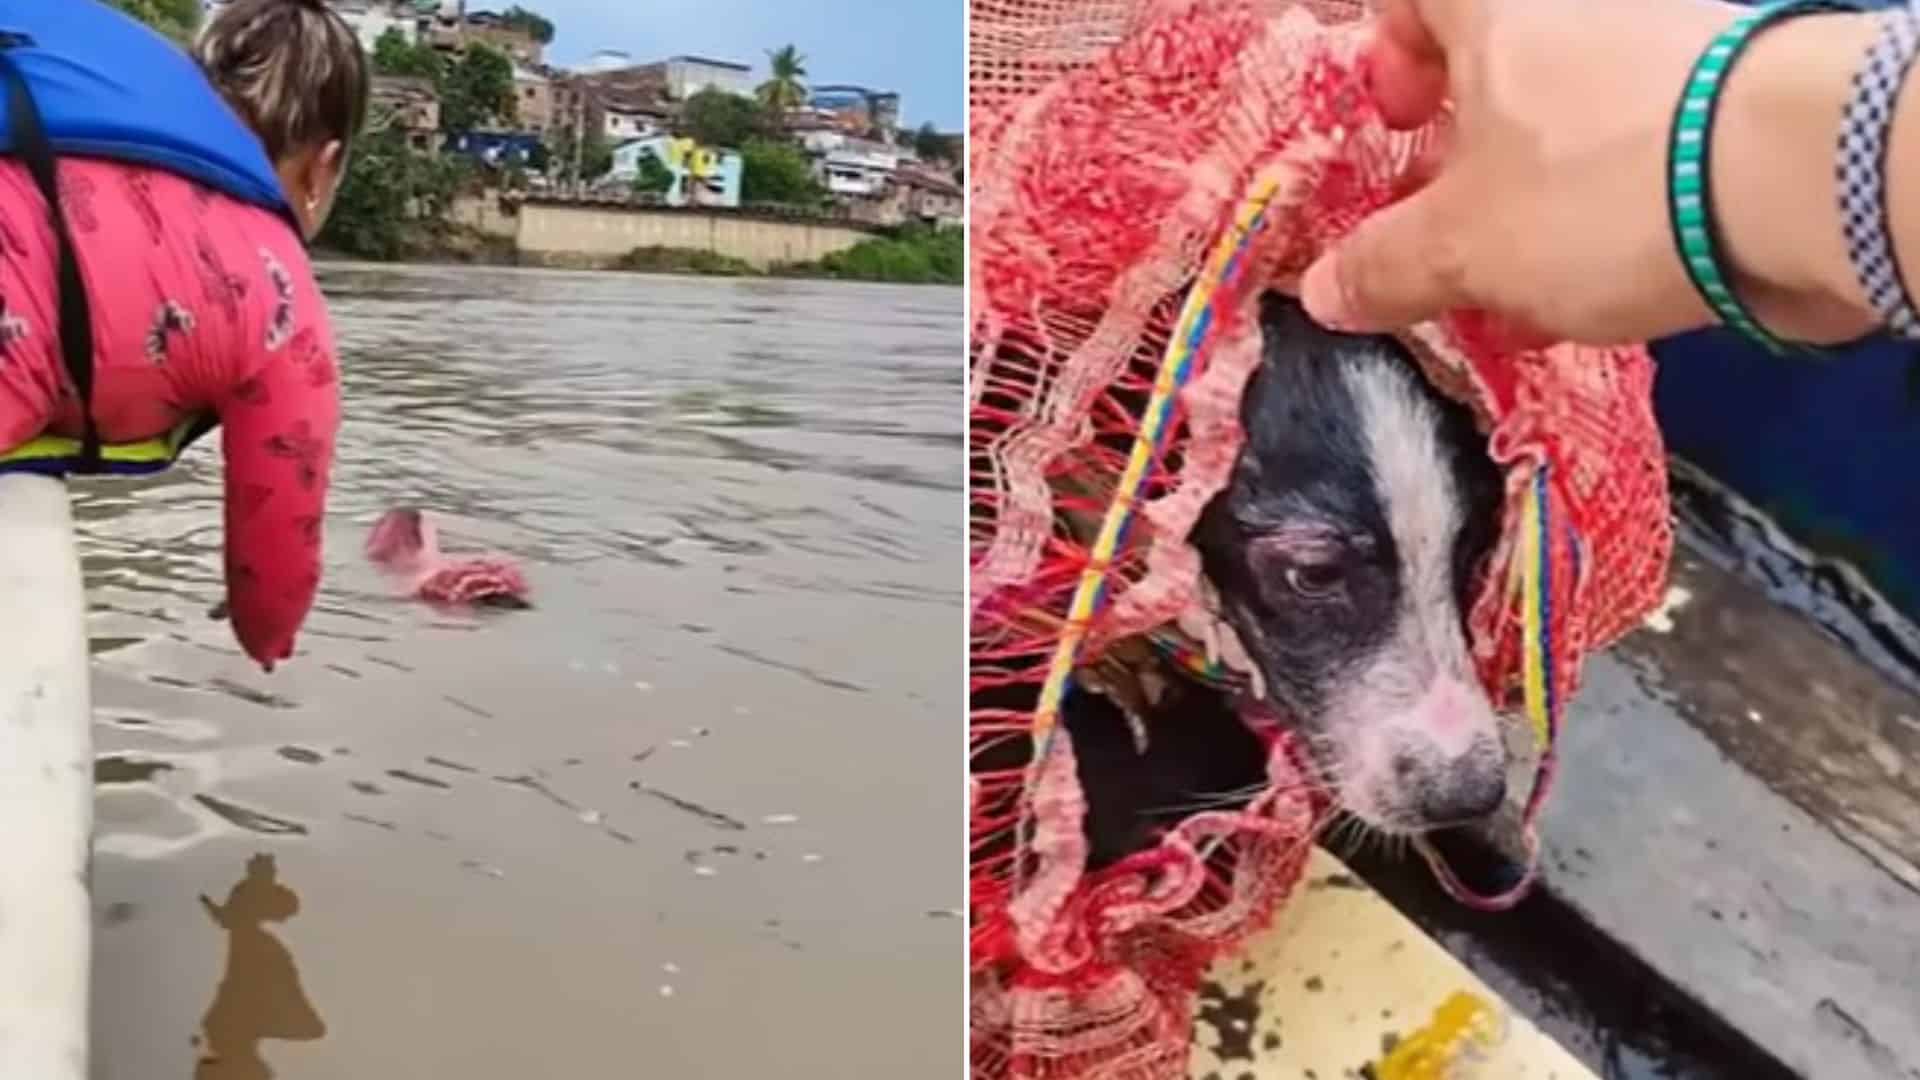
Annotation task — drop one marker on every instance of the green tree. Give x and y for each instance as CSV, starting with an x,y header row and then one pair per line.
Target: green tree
x,y
389,191
913,254
177,19
786,89
931,145
477,91
714,117
776,172
655,178
393,54
536,26
595,157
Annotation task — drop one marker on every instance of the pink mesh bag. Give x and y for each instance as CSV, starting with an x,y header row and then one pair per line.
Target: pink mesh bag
x,y
1140,170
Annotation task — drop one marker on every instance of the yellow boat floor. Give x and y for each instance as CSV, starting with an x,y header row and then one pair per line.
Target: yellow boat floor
x,y
1343,982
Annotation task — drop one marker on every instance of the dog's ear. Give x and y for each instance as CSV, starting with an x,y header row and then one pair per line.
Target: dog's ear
x,y
1294,389
1287,329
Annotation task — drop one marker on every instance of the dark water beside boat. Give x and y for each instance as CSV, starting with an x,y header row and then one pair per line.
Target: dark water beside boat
x,y
685,818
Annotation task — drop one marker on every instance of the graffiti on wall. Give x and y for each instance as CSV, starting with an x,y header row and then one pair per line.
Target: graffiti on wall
x,y
701,175
698,172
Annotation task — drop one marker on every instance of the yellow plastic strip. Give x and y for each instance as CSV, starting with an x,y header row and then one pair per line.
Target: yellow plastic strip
x,y
1463,1024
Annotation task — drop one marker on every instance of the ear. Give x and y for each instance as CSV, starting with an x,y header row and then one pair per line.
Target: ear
x,y
314,171
312,178
327,165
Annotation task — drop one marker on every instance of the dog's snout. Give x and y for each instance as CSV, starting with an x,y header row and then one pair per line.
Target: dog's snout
x,y
1405,779
1446,792
1466,795
1451,789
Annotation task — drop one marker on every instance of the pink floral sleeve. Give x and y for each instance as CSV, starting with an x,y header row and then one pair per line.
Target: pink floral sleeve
x,y
278,428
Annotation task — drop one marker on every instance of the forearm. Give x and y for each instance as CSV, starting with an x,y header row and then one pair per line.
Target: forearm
x,y
1772,165
276,494
278,431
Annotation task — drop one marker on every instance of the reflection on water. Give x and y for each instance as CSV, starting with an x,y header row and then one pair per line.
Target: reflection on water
x,y
703,787
260,996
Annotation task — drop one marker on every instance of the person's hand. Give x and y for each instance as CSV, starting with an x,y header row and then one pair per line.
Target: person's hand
x,y
1546,204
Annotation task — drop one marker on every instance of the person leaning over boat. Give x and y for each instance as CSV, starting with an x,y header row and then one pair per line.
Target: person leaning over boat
x,y
1554,205
154,281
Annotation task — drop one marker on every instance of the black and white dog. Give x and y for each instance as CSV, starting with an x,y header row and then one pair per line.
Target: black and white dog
x,y
1342,552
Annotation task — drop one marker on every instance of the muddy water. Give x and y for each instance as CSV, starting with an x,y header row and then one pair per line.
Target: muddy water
x,y
693,815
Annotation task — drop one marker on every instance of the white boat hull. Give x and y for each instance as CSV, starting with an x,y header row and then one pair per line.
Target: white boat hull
x,y
46,786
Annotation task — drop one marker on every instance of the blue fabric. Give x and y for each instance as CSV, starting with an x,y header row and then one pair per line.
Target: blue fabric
x,y
108,86
1826,446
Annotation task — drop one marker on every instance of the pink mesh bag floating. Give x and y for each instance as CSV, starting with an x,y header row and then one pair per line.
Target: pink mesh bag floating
x,y
1140,170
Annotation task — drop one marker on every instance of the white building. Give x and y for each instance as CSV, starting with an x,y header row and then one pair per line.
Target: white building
x,y
688,75
370,19
854,167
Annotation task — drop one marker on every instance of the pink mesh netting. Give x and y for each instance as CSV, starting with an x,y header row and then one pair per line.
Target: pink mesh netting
x,y
1112,144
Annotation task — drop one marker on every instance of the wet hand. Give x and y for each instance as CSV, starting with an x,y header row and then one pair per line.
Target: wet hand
x,y
222,611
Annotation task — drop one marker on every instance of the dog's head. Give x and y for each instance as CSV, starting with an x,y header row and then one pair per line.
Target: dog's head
x,y
403,542
1343,550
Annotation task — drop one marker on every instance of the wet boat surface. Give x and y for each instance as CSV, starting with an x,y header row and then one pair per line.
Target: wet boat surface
x,y
684,798
1342,981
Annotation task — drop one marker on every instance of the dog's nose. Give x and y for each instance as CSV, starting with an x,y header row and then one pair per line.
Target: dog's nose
x,y
1463,797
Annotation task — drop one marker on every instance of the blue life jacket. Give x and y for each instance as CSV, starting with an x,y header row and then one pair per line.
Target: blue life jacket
x,y
80,78
109,86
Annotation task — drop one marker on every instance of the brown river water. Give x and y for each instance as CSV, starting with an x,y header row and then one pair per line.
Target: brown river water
x,y
697,814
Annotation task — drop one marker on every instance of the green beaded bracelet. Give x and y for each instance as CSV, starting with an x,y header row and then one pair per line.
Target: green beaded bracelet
x,y
1689,192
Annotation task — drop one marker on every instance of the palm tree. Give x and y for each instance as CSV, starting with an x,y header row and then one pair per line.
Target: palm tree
x,y
784,90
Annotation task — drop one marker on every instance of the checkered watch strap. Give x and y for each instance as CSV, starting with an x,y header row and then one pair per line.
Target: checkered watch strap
x,y
1860,167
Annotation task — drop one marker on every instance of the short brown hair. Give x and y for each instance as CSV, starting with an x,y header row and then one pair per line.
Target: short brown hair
x,y
292,69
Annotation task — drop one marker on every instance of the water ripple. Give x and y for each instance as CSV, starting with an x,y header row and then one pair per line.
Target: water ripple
x,y
736,502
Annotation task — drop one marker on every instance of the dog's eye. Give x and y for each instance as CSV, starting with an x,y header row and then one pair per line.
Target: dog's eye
x,y
1315,581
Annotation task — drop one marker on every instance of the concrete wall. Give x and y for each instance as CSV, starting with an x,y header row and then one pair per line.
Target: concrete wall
x,y
483,212
594,235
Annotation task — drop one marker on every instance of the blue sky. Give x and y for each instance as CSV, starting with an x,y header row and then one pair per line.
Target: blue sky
x,y
915,47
